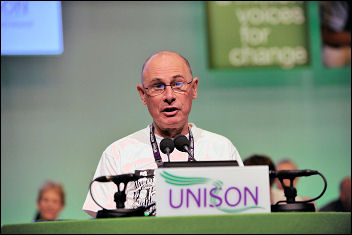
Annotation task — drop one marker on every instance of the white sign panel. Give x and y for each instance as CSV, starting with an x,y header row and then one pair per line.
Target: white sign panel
x,y
212,190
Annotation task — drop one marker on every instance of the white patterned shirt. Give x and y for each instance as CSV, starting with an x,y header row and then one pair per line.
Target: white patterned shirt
x,y
134,152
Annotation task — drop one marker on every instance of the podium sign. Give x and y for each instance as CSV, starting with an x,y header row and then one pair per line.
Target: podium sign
x,y
212,190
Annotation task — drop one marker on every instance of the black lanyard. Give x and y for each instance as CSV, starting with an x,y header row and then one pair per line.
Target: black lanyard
x,y
155,148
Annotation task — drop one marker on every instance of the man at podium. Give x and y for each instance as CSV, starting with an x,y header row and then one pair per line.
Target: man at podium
x,y
167,89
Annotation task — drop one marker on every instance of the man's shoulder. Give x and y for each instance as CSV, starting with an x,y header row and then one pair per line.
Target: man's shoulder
x,y
213,146
212,136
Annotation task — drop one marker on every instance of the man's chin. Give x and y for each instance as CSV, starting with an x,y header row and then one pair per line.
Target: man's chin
x,y
171,122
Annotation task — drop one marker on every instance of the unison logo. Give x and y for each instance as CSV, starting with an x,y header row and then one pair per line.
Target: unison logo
x,y
227,199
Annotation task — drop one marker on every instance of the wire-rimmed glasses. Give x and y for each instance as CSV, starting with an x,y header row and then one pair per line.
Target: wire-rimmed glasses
x,y
159,88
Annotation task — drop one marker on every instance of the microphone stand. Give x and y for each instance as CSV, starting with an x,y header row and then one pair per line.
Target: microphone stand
x,y
291,193
120,199
292,204
168,154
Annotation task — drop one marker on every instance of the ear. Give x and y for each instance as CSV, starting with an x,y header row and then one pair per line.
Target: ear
x,y
142,93
195,88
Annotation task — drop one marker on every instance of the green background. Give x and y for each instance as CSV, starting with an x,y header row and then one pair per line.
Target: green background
x,y
59,113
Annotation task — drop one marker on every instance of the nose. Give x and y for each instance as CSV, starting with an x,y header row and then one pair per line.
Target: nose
x,y
169,95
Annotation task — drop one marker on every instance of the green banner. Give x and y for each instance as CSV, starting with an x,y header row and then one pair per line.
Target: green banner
x,y
247,34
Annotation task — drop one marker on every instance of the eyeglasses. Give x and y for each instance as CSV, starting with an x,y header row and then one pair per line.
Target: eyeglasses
x,y
159,88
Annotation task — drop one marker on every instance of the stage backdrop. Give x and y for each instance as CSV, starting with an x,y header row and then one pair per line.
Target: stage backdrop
x,y
59,113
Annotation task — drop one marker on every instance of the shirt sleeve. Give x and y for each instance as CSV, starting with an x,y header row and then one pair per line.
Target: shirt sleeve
x,y
235,155
230,150
103,193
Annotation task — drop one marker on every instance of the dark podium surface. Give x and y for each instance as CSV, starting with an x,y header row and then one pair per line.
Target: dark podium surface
x,y
280,222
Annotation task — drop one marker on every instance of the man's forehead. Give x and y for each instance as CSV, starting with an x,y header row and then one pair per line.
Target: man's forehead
x,y
165,58
165,62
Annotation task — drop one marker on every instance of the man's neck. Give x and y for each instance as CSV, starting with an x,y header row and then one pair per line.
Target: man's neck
x,y
170,132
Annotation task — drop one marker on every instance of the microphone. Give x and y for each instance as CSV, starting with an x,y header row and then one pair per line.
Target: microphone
x,y
287,174
117,178
167,146
182,144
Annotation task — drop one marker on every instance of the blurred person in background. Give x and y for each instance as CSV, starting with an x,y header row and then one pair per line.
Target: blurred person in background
x,y
336,32
262,160
343,203
285,164
50,201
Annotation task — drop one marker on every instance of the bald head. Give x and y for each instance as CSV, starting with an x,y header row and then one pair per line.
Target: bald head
x,y
286,164
165,54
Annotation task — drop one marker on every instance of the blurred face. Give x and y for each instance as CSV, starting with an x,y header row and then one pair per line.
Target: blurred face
x,y
169,110
50,205
345,194
286,166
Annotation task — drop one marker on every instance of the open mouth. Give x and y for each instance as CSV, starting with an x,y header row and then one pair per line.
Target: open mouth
x,y
170,111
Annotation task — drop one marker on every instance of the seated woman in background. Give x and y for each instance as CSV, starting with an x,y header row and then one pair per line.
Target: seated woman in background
x,y
50,201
